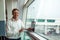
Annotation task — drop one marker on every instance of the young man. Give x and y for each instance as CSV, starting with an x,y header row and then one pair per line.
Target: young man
x,y
15,26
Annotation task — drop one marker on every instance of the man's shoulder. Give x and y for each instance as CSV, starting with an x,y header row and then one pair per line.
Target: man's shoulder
x,y
20,20
9,20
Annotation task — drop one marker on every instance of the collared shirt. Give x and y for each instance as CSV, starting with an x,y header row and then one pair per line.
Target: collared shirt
x,y
13,28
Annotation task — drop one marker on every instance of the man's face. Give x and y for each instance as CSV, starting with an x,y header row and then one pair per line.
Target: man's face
x,y
16,14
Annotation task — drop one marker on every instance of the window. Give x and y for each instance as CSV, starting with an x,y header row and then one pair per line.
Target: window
x,y
50,20
40,20
30,20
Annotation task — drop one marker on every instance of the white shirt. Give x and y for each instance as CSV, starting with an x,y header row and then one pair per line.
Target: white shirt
x,y
13,28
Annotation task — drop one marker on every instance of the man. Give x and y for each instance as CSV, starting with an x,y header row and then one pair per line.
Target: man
x,y
14,26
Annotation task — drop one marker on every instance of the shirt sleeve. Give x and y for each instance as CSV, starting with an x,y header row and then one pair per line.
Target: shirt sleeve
x,y
8,28
22,24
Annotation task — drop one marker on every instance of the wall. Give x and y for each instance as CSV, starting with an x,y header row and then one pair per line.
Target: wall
x,y
20,7
10,5
2,10
2,17
15,4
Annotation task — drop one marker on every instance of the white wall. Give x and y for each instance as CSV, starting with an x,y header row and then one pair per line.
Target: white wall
x,y
10,5
2,10
20,7
14,4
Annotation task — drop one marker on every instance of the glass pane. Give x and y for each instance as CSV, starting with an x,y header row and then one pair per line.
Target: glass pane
x,y
30,20
50,20
46,15
40,20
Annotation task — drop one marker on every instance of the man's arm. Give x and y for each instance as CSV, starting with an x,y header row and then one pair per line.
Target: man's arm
x,y
23,28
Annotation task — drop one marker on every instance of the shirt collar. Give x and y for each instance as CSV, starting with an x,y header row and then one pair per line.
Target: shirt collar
x,y
14,19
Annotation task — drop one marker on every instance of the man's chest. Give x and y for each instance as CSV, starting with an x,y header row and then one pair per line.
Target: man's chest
x,y
15,25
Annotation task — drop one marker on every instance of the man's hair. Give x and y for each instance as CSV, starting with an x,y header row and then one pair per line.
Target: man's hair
x,y
14,10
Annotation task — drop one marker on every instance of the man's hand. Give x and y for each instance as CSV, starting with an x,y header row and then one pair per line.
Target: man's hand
x,y
21,30
29,29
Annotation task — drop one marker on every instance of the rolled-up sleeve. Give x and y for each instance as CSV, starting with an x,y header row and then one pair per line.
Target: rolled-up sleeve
x,y
22,24
9,32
